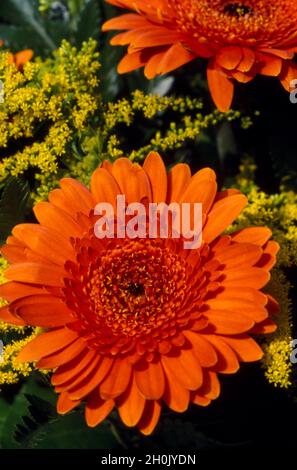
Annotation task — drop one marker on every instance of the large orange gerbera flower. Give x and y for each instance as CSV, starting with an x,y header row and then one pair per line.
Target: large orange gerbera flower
x,y
240,39
134,323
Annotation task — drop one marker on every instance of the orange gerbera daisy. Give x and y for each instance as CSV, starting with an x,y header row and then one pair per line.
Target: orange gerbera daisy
x,y
240,39
20,58
137,323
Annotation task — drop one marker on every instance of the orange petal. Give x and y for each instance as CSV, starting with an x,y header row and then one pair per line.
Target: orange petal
x,y
244,77
267,326
150,417
220,86
254,235
13,290
78,193
131,405
203,349
201,189
131,62
117,379
97,409
64,404
245,347
156,36
246,294
150,380
211,385
247,61
248,277
224,323
279,53
82,378
56,219
178,179
243,254
239,306
104,187
152,66
288,75
58,198
62,357
229,57
174,58
185,367
269,65
8,317
129,37
71,369
88,384
227,359
268,260
42,310
199,399
14,253
222,214
127,21
36,273
176,396
132,180
156,171
45,344
73,198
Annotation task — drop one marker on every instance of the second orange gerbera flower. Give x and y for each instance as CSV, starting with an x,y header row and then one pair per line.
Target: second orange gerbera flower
x,y
134,324
239,39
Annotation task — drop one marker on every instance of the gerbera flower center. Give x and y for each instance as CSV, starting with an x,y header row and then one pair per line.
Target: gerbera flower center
x,y
136,289
246,22
131,290
128,289
237,9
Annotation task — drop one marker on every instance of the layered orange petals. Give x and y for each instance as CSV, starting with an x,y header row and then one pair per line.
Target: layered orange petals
x,y
136,323
240,43
46,344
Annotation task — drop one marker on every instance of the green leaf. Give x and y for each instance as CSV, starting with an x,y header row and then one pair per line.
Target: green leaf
x,y
110,80
12,413
71,432
4,411
88,22
25,13
30,421
14,204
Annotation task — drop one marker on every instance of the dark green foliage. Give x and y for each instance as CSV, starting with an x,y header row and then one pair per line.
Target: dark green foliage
x,y
14,203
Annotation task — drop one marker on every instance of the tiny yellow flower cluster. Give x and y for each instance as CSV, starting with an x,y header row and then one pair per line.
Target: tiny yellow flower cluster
x,y
279,212
45,108
106,138
14,339
10,370
277,347
187,126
